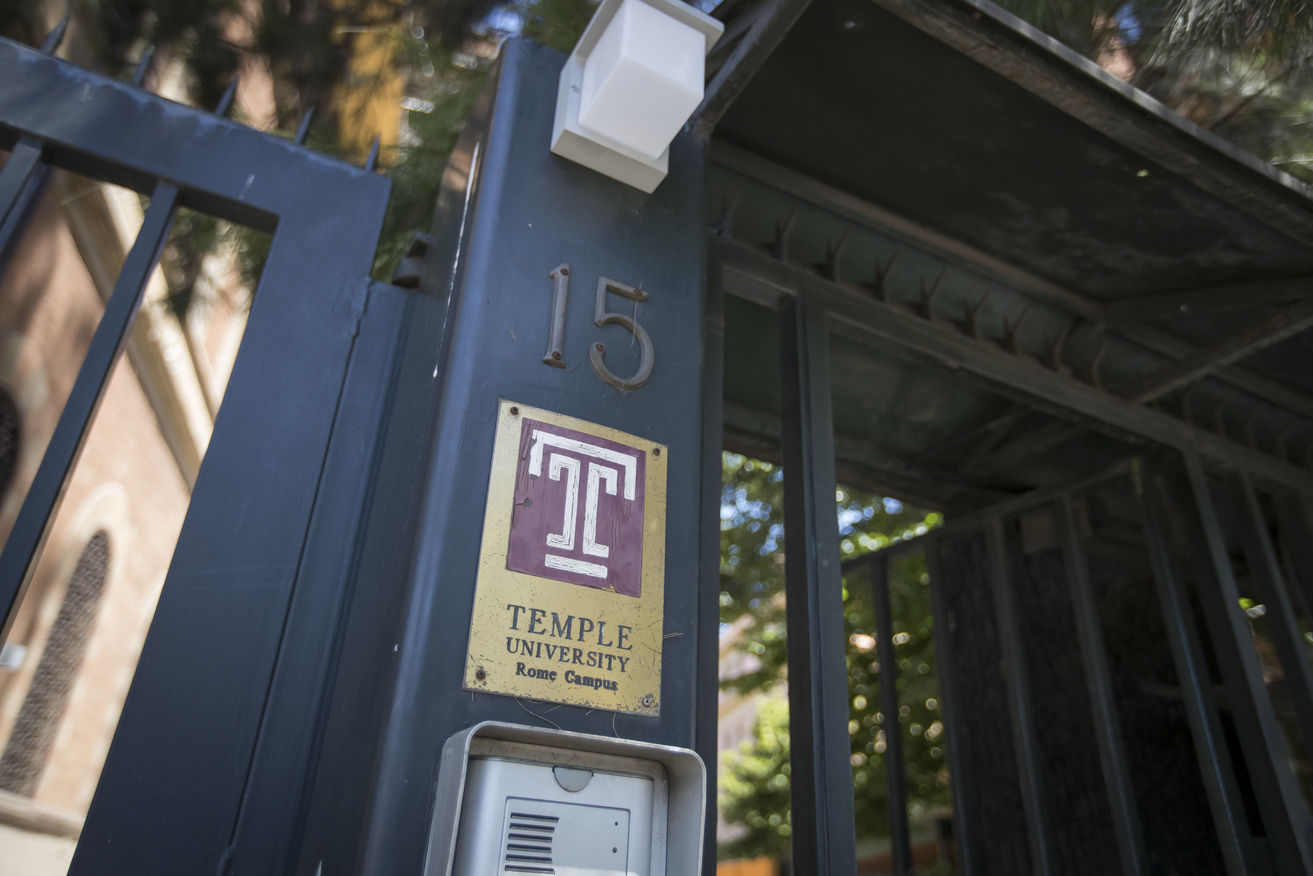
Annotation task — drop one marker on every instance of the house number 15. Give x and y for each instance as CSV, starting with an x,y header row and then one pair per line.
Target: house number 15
x,y
601,317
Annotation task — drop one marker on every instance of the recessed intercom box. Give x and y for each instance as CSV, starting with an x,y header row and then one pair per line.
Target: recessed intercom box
x,y
515,799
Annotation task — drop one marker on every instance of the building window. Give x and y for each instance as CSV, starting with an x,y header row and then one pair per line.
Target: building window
x,y
29,744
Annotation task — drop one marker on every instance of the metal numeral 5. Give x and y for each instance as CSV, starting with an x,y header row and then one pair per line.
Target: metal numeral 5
x,y
601,317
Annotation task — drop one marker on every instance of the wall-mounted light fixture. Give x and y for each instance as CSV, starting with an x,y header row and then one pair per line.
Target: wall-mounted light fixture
x,y
630,84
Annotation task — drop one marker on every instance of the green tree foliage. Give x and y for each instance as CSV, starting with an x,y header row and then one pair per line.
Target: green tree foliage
x,y
306,44
1241,68
450,80
755,780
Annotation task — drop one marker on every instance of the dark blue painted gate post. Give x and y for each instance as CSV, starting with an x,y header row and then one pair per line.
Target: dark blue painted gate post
x,y
511,215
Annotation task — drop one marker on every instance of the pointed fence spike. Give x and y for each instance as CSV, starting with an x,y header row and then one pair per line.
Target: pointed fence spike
x,y
372,160
833,256
303,129
1059,347
784,232
973,314
1013,335
779,247
1283,438
1096,362
882,272
56,36
226,102
1187,399
1219,424
928,295
143,65
837,251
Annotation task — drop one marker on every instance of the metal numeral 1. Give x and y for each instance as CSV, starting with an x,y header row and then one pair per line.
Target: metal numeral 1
x,y
555,356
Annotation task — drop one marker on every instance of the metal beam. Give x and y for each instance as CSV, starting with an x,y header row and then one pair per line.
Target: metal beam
x,y
773,20
982,437
1165,380
706,691
1021,53
1249,340
1030,779
1212,299
894,769
1283,626
853,209
1260,335
37,514
1215,768
20,179
1280,801
824,839
964,801
1026,446
1103,697
881,470
1295,524
896,329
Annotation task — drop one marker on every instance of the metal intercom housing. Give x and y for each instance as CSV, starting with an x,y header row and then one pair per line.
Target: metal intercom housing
x,y
515,799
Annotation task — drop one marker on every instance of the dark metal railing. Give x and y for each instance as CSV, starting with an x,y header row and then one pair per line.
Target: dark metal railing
x,y
1176,490
211,723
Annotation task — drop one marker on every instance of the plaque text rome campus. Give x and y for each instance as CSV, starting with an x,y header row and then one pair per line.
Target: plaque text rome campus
x,y
553,641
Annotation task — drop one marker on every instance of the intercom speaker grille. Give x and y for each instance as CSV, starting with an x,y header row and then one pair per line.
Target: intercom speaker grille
x,y
528,845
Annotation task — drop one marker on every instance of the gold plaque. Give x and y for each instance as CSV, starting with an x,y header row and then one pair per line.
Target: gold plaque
x,y
568,605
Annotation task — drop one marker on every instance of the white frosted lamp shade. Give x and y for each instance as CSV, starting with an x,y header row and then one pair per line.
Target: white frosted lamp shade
x,y
643,79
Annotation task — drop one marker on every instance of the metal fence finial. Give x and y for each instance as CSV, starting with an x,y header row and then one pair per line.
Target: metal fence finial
x,y
143,65
226,102
304,128
372,160
51,45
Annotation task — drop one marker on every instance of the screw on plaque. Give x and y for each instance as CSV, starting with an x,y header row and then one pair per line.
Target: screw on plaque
x,y
515,412
648,701
480,674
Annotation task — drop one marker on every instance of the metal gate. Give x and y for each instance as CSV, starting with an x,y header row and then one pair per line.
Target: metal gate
x,y
230,686
1107,707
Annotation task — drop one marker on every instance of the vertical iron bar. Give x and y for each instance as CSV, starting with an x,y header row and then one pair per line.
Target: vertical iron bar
x,y
1103,699
1266,574
1196,691
1019,699
19,180
707,700
949,702
894,769
18,559
1296,526
55,38
143,65
1280,800
820,750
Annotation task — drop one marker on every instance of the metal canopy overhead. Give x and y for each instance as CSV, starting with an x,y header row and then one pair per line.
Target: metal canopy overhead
x,y
1030,268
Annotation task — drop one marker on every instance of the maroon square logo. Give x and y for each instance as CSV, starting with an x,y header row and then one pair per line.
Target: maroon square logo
x,y
578,514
